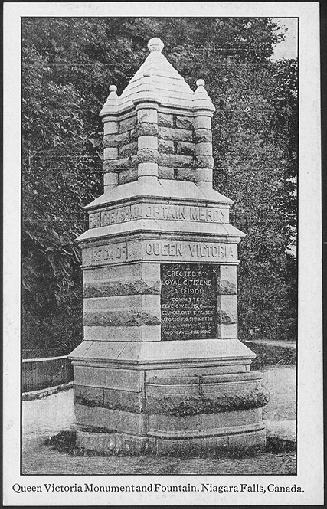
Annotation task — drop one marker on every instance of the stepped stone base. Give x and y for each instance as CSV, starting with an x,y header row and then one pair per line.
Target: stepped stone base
x,y
123,443
149,400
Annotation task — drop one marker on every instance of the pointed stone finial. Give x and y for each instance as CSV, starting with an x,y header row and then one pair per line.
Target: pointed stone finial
x,y
155,44
110,106
201,90
201,97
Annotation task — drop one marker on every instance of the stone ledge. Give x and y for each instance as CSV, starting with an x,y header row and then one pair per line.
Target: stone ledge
x,y
167,189
201,352
201,231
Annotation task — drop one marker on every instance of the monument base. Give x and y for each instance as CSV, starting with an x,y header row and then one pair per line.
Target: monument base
x,y
218,445
146,398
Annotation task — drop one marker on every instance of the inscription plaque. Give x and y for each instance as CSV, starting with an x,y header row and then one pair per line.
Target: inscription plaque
x,y
188,301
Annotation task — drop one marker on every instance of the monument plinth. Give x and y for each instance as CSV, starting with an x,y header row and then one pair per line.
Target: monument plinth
x,y
160,367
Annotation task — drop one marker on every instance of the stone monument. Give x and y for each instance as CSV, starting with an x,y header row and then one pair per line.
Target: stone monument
x,y
160,368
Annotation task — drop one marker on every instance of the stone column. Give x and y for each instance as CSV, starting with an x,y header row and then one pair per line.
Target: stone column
x,y
110,127
203,137
147,142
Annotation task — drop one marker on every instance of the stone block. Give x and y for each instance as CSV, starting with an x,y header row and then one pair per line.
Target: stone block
x,y
164,376
191,446
127,176
116,165
88,376
197,425
135,274
119,273
128,149
110,153
114,443
127,318
123,400
166,146
202,122
203,135
110,420
147,142
129,380
203,148
165,119
166,173
150,272
226,317
185,174
227,331
149,116
175,161
114,140
98,442
122,333
203,174
205,375
110,128
110,378
183,122
144,129
226,287
110,179
148,169
185,147
147,155
127,124
204,161
94,220
227,309
181,400
243,441
168,133
227,283
88,396
122,287
125,302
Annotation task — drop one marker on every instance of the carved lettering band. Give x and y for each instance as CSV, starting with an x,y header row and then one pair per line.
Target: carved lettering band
x,y
159,250
165,212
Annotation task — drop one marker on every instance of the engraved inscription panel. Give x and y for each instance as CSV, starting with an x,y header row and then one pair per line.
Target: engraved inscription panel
x,y
158,211
188,301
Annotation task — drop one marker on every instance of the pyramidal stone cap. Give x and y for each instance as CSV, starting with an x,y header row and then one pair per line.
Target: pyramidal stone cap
x,y
158,81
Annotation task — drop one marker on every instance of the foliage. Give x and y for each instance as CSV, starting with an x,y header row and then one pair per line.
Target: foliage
x,y
67,67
